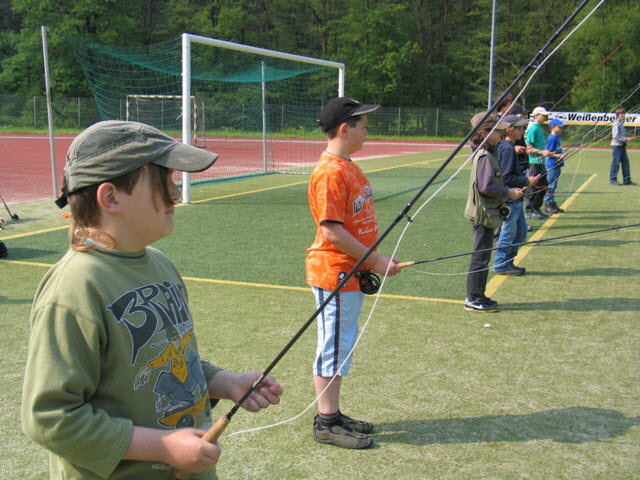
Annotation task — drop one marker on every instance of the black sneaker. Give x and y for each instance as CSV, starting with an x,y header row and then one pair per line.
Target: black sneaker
x,y
515,271
359,426
479,306
339,435
630,183
551,208
490,302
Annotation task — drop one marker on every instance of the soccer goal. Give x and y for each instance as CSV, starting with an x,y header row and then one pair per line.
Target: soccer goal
x,y
164,111
256,108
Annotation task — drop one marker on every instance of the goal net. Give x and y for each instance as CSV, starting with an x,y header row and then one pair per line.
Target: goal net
x,y
256,108
161,110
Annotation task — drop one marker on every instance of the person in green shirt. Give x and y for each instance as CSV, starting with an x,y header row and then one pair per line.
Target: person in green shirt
x,y
537,158
114,384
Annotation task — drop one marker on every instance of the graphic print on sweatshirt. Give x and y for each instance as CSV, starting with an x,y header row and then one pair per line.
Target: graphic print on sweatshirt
x,y
155,311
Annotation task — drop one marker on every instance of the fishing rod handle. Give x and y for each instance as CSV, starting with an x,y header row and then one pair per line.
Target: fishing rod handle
x,y
406,264
212,436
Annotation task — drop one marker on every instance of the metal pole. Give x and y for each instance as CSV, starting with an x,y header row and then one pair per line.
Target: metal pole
x,y
186,110
264,118
493,46
52,148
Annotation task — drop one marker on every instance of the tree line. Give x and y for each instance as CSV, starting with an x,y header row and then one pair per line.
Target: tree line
x,y
421,53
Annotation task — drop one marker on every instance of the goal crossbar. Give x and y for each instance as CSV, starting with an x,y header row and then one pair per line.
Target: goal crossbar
x,y
188,38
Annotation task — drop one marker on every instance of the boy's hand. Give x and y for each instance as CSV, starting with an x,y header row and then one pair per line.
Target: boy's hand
x,y
545,153
236,385
532,179
380,263
521,149
514,193
186,451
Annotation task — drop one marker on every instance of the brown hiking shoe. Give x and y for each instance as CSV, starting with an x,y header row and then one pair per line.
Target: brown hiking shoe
x,y
359,426
340,435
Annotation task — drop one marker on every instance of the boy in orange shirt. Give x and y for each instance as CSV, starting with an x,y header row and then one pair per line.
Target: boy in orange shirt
x,y
341,203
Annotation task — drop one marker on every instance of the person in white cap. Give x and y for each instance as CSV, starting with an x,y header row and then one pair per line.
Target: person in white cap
x,y
537,157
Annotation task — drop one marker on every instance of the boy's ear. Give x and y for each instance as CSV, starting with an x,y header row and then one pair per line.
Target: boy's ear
x,y
342,129
107,197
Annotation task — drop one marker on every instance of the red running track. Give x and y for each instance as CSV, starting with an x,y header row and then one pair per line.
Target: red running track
x,y
25,160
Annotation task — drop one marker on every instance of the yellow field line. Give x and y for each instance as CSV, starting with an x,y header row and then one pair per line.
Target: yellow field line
x,y
30,264
498,280
266,189
221,197
257,285
37,232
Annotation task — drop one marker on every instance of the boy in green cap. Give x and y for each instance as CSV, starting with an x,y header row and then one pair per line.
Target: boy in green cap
x,y
114,385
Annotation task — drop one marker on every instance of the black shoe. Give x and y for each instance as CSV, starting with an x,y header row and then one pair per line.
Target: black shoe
x,y
555,205
359,426
339,435
615,183
479,306
551,207
630,183
490,302
514,271
4,252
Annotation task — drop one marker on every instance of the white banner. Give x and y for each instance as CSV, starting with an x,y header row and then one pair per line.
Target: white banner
x,y
600,119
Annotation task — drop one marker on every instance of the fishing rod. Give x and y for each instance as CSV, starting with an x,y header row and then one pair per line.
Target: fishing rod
x,y
213,434
530,242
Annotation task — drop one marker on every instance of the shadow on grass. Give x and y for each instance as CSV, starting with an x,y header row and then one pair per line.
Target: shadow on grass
x,y
591,272
597,243
565,425
21,253
15,301
609,304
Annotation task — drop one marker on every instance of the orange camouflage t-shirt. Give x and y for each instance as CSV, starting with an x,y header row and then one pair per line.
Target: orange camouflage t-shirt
x,y
338,191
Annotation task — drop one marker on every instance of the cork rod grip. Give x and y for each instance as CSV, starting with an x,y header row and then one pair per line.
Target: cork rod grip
x,y
212,436
406,264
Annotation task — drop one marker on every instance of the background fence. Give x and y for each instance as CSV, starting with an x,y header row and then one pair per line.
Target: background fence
x,y
78,113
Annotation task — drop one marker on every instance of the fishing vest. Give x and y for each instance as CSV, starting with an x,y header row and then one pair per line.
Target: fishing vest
x,y
482,209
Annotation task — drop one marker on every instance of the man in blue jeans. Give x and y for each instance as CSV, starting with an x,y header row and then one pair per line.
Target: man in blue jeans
x,y
619,141
514,228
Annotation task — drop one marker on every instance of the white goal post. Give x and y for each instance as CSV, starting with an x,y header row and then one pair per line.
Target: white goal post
x,y
187,39
139,107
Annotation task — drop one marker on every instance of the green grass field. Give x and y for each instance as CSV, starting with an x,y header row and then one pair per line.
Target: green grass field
x,y
549,391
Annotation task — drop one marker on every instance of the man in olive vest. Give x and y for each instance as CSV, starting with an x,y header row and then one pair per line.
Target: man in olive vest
x,y
486,198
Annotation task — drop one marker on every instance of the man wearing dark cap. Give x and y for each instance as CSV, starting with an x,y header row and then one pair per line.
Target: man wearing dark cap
x,y
341,202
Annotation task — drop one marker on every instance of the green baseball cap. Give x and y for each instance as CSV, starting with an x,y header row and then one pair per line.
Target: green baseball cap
x,y
109,149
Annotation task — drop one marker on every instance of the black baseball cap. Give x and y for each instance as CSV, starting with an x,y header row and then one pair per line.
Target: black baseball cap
x,y
339,109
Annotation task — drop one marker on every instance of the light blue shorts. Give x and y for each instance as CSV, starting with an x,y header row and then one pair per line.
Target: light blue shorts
x,y
337,331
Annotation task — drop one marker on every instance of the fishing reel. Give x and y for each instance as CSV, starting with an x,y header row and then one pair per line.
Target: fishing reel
x,y
369,282
504,212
